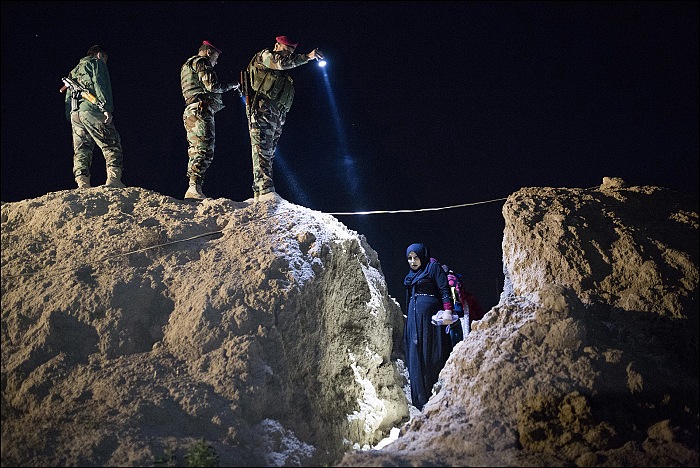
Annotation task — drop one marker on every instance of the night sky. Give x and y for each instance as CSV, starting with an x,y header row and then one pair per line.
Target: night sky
x,y
422,105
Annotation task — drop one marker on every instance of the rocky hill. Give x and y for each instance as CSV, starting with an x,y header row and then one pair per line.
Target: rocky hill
x,y
591,356
135,325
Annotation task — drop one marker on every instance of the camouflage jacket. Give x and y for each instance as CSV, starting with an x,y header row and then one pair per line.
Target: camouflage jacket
x,y
92,73
200,83
268,77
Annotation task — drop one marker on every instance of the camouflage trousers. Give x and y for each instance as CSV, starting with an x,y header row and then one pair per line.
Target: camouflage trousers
x,y
198,119
265,126
88,129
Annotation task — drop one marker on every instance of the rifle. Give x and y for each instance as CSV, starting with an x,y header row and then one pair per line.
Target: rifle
x,y
244,86
76,90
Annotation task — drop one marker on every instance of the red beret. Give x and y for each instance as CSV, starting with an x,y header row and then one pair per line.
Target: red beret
x,y
284,40
211,45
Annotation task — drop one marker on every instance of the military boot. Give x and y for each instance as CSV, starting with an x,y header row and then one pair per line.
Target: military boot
x,y
194,191
269,196
83,181
114,177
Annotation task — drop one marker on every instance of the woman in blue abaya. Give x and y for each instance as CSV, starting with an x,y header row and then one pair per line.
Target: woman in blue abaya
x,y
427,345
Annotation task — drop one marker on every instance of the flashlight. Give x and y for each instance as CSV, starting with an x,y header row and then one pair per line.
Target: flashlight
x,y
321,63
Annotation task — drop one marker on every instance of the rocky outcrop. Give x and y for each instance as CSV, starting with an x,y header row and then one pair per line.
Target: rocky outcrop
x,y
135,325
591,356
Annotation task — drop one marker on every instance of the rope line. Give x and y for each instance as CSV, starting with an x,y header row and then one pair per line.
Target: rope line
x,y
414,211
59,271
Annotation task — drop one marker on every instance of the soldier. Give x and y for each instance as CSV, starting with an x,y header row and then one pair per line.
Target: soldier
x,y
90,114
269,95
202,92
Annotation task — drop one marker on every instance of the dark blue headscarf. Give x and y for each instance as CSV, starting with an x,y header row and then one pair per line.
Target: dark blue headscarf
x,y
421,250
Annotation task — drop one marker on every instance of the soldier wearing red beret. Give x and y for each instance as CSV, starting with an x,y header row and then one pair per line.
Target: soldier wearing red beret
x,y
269,93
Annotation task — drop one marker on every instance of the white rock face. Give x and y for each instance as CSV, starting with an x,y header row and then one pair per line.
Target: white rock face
x,y
591,356
135,325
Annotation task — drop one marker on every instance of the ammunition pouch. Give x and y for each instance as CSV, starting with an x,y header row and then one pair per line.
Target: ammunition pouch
x,y
286,94
74,100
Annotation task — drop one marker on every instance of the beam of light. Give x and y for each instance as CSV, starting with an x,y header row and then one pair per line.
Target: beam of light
x,y
346,159
291,179
321,63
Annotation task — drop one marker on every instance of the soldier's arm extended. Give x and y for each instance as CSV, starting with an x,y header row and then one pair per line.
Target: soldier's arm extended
x,y
277,61
209,79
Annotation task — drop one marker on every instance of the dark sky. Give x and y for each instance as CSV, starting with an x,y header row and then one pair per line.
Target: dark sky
x,y
424,105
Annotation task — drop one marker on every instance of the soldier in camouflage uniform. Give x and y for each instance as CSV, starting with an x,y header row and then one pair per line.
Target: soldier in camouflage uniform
x,y
202,92
91,125
269,94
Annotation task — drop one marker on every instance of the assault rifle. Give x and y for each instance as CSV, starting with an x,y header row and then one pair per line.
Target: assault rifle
x,y
243,85
77,90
